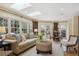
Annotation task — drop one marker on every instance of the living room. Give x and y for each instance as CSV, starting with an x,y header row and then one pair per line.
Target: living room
x,y
26,29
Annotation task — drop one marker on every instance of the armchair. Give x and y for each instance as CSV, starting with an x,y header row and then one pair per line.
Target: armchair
x,y
72,42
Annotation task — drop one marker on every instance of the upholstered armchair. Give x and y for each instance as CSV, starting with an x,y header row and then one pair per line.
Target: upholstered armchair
x,y
72,42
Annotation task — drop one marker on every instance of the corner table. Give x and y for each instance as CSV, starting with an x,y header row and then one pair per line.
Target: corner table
x,y
6,45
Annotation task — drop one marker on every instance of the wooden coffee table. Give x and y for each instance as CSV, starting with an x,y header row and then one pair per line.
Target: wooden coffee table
x,y
6,53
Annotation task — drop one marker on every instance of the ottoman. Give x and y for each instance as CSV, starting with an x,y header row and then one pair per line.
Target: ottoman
x,y
44,46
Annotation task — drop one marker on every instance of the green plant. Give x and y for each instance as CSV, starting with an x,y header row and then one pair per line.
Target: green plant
x,y
40,37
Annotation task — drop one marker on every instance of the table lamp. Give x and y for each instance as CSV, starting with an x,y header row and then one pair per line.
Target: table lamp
x,y
36,30
2,31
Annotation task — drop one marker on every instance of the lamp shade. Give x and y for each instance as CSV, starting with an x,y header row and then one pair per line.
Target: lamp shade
x,y
2,29
35,30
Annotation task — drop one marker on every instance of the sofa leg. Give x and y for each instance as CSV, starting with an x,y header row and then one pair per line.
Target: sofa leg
x,y
75,50
37,52
50,52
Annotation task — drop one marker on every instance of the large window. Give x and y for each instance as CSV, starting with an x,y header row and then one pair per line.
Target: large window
x,y
24,27
45,30
15,26
4,22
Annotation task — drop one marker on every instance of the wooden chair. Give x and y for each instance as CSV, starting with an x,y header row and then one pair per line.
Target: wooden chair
x,y
72,42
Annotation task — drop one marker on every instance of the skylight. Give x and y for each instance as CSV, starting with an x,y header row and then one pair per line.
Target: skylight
x,y
20,6
34,13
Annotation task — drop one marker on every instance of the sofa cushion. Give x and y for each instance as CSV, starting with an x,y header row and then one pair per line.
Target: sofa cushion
x,y
18,38
8,36
23,37
31,35
27,36
26,43
11,41
3,36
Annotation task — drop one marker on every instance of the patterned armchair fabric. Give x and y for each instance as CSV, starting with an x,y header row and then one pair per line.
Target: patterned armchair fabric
x,y
72,42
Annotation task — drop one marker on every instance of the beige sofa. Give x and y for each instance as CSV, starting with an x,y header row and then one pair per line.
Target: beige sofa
x,y
19,47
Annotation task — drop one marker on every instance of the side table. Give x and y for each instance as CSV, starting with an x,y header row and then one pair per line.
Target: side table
x,y
6,45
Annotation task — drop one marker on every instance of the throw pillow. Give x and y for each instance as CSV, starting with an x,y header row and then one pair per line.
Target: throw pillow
x,y
23,37
27,36
18,38
7,36
3,36
31,35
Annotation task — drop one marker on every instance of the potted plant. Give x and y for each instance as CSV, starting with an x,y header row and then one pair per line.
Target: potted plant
x,y
40,36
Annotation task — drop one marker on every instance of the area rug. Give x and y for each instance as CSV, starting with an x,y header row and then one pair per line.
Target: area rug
x,y
71,53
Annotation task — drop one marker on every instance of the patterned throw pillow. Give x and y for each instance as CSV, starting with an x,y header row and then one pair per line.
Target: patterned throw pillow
x,y
14,36
3,36
8,36
18,38
23,37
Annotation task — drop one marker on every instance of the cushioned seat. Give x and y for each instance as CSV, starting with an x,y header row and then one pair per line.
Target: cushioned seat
x,y
44,46
25,43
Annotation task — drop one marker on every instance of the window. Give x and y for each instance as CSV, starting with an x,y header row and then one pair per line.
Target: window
x,y
45,30
15,26
4,22
24,27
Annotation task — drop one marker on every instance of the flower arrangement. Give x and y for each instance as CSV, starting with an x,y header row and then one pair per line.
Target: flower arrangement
x,y
40,36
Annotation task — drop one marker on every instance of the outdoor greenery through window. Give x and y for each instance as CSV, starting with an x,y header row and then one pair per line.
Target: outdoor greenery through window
x,y
4,22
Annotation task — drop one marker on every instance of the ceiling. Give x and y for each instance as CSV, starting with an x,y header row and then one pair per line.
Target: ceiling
x,y
46,11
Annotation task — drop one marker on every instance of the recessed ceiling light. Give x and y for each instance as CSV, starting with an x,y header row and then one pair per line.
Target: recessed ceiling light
x,y
62,9
20,6
34,13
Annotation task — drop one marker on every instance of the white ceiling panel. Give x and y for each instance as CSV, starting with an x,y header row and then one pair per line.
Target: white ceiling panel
x,y
49,11
20,6
34,13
